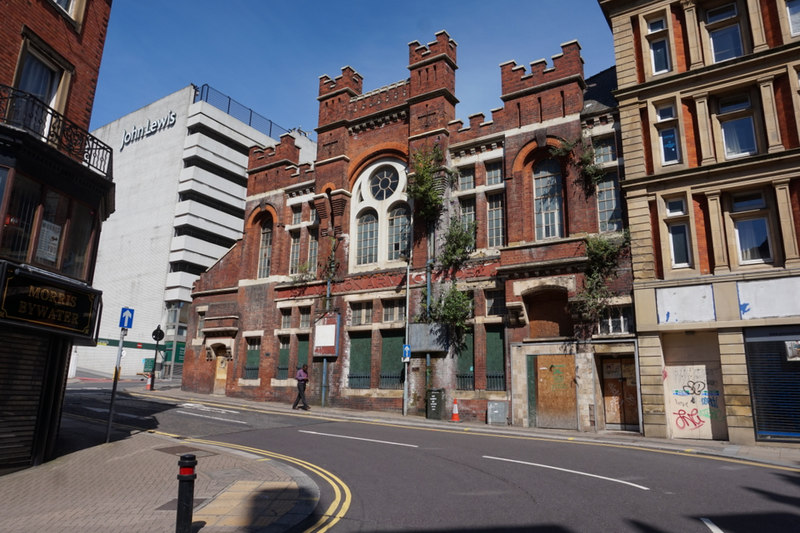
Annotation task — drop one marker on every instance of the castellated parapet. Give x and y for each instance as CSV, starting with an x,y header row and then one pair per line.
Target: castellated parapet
x,y
529,98
443,45
566,64
276,166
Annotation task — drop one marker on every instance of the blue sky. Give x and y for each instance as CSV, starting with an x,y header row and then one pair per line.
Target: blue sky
x,y
269,55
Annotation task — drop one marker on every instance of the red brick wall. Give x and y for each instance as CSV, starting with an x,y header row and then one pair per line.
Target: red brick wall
x,y
703,234
772,24
81,47
681,43
357,128
787,121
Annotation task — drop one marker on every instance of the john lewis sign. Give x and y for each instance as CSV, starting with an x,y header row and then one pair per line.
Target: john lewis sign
x,y
152,127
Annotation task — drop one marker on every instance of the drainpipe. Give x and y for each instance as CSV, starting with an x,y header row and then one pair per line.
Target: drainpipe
x,y
325,359
428,266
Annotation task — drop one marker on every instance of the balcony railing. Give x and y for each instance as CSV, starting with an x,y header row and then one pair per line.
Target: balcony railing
x,y
24,111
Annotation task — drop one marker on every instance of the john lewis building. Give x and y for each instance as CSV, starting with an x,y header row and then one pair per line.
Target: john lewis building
x,y
180,172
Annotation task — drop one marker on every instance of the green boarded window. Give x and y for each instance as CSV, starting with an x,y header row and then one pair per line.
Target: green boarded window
x,y
495,362
360,360
283,358
391,359
302,350
465,364
253,358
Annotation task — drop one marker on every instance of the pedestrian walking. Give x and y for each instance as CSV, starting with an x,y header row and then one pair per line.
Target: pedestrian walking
x,y
302,379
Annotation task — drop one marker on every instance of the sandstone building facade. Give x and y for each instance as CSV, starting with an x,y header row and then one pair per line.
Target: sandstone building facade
x,y
708,103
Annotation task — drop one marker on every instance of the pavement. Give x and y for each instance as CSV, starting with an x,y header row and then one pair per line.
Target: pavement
x,y
130,484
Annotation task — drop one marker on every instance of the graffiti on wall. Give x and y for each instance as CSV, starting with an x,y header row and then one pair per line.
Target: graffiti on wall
x,y
694,400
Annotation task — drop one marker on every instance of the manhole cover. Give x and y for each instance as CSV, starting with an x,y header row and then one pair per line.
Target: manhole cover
x,y
181,450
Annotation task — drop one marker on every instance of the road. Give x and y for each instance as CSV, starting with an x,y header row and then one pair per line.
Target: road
x,y
403,478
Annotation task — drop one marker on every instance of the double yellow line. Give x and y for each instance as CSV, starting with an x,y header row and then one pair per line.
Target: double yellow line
x,y
342,496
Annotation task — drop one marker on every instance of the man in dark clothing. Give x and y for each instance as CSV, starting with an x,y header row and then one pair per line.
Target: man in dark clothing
x,y
302,379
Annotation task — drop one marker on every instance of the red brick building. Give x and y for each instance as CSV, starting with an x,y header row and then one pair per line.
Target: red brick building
x,y
333,263
55,181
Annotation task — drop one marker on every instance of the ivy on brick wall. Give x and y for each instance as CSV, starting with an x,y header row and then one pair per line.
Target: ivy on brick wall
x,y
603,255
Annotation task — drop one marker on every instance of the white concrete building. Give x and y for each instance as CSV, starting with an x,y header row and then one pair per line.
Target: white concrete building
x,y
180,172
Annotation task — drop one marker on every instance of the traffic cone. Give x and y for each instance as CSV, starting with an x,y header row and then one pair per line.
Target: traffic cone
x,y
455,417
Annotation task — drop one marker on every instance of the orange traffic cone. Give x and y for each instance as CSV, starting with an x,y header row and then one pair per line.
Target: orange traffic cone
x,y
455,417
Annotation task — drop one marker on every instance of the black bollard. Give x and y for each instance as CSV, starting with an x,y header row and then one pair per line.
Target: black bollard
x,y
186,477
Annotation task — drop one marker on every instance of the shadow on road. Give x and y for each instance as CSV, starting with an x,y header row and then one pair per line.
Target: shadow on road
x,y
84,420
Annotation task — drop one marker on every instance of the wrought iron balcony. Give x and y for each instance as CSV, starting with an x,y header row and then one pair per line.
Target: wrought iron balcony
x,y
24,111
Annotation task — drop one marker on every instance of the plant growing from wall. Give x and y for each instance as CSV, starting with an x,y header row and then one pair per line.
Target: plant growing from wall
x,y
584,160
459,241
424,185
329,268
452,309
305,272
603,255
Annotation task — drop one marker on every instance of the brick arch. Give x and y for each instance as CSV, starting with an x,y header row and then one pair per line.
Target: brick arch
x,y
547,307
378,151
533,151
256,213
519,188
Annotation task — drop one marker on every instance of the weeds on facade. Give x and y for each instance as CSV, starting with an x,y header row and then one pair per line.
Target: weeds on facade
x,y
426,184
452,309
583,158
305,273
603,255
459,242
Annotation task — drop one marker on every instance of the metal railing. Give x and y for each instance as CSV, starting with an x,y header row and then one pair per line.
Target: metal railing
x,y
358,381
251,372
283,372
465,381
238,111
24,111
495,381
391,381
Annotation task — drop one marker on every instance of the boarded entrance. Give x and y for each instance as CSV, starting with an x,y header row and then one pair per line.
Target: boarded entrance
x,y
551,391
619,394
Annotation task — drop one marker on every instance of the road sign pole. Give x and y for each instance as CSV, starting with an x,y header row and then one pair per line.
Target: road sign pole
x,y
122,334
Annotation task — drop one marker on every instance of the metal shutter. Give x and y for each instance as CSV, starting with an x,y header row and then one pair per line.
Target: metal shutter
x,y
23,362
775,390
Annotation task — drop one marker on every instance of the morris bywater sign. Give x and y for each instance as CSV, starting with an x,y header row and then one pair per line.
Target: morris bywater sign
x,y
46,302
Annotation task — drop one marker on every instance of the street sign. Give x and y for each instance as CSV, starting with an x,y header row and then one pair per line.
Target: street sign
x,y
406,353
126,318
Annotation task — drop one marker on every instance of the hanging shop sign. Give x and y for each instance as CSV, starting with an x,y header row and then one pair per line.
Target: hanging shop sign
x,y
39,300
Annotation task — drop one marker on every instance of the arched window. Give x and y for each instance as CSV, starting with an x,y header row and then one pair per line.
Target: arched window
x,y
399,225
380,216
265,248
367,238
547,199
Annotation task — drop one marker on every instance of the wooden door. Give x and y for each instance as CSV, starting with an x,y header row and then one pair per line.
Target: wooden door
x,y
221,374
556,400
619,394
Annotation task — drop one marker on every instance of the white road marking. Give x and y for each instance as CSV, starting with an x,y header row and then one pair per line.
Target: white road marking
x,y
711,525
566,470
211,417
201,407
359,438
